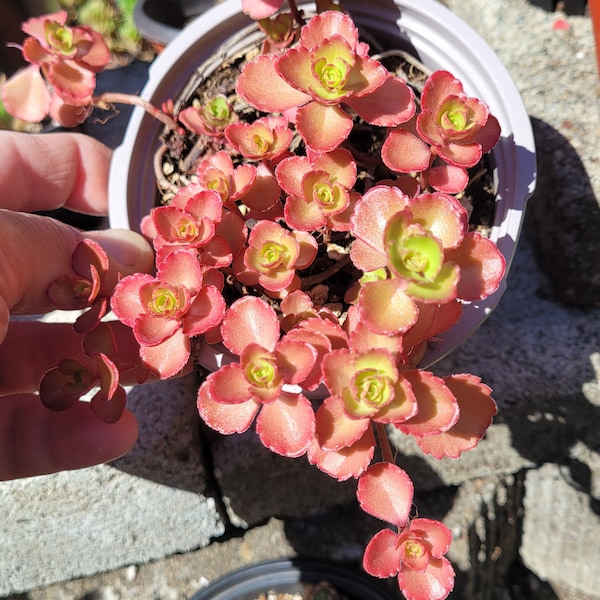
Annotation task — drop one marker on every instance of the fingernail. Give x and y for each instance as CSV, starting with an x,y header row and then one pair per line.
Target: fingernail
x,y
125,247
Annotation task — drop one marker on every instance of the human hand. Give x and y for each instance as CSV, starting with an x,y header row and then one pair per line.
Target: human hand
x,y
39,173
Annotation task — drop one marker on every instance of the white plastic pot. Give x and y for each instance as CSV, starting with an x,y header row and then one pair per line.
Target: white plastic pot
x,y
440,40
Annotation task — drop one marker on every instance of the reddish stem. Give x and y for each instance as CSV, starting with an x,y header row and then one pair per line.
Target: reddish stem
x,y
386,449
296,14
108,99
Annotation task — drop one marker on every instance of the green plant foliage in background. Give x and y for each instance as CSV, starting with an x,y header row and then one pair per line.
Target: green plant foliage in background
x,y
112,18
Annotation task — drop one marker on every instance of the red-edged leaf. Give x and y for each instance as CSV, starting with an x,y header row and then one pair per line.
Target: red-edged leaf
x,y
448,178
386,492
62,386
401,311
126,302
225,418
435,583
438,408
169,357
295,360
91,318
206,311
109,409
435,533
322,127
404,152
389,105
482,267
441,215
347,462
251,86
382,557
476,412
250,320
286,425
335,429
229,385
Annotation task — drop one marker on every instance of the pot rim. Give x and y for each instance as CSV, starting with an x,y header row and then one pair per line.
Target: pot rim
x,y
288,575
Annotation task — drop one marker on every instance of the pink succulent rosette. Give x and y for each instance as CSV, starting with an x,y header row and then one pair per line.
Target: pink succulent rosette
x,y
231,398
166,310
330,66
68,58
210,119
273,255
460,128
319,190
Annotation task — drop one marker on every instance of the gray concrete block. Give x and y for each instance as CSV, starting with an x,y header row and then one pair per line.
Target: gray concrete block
x,y
152,503
561,530
257,484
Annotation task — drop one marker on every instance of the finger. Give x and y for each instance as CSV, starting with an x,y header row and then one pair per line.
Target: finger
x,y
37,441
36,250
31,348
47,171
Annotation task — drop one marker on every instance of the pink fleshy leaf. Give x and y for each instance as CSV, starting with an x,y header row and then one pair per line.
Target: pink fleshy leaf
x,y
251,86
448,179
335,430
260,9
322,127
327,24
438,408
461,155
404,152
382,557
181,270
126,302
439,86
90,319
62,386
435,583
295,360
150,330
401,312
433,320
346,462
206,311
72,81
372,213
403,406
286,425
228,385
26,96
482,267
263,197
225,418
290,172
476,412
386,492
66,114
168,358
435,533
441,215
109,409
388,106
250,320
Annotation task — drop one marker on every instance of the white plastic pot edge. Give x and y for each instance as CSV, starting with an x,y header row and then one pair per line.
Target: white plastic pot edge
x,y
442,40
